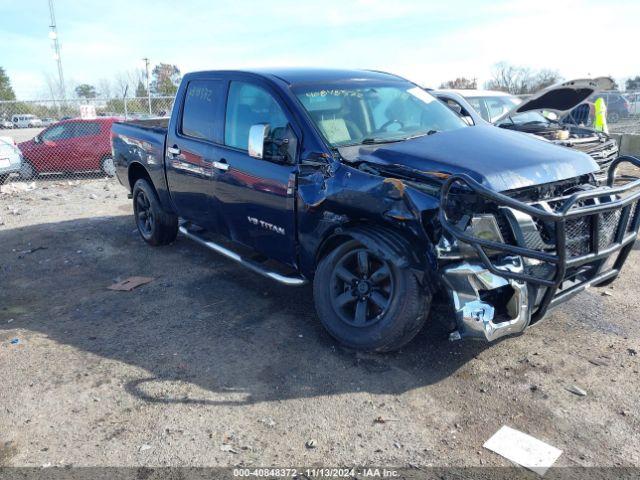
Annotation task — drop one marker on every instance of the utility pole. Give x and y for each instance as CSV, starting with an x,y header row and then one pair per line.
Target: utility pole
x,y
146,67
53,34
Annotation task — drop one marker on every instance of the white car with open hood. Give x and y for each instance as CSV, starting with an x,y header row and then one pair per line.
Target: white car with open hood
x,y
510,112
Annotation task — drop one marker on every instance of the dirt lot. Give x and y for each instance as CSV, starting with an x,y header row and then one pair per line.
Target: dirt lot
x,y
210,365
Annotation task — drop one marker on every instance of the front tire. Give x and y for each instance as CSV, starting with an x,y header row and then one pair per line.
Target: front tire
x,y
27,170
366,302
155,226
3,178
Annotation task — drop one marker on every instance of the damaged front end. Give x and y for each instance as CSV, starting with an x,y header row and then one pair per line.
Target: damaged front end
x,y
598,145
506,259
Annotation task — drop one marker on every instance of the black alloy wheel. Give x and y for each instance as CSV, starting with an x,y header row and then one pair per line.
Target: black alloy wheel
x,y
144,214
362,287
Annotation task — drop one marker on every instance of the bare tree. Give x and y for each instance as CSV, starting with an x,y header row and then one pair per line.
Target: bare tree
x,y
53,87
518,80
461,83
104,88
508,78
543,79
129,79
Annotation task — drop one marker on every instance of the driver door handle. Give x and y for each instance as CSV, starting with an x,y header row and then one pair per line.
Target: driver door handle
x,y
173,151
221,165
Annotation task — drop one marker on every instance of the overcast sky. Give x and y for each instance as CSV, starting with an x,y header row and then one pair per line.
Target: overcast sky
x,y
428,42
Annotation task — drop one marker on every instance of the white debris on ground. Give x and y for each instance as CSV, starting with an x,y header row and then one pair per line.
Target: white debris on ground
x,y
21,203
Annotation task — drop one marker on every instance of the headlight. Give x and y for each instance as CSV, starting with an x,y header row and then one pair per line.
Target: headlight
x,y
485,227
482,226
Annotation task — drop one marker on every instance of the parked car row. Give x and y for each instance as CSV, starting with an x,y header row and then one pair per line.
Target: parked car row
x,y
25,121
68,146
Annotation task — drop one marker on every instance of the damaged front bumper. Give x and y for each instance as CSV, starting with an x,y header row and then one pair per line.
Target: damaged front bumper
x,y
508,286
488,305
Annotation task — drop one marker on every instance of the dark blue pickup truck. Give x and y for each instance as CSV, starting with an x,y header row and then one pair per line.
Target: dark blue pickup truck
x,y
387,200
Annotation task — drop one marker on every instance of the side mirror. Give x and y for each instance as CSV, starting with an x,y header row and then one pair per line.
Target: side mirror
x,y
37,139
257,135
469,120
277,146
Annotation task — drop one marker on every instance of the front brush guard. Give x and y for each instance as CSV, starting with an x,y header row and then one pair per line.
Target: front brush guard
x,y
624,238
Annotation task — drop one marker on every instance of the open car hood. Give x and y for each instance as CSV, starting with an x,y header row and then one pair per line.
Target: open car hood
x,y
562,97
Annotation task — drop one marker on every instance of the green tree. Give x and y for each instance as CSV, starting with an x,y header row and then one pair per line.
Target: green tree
x,y
166,79
633,83
6,90
141,90
114,106
86,91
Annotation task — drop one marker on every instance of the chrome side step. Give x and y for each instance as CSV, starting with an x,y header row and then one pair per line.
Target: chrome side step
x,y
251,265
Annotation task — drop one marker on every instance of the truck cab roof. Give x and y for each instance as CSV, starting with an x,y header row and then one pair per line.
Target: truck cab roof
x,y
295,76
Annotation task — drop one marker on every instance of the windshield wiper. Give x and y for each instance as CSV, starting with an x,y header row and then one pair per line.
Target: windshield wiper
x,y
430,132
372,140
375,140
535,122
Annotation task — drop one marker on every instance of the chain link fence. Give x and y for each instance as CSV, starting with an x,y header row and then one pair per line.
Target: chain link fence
x,y
70,140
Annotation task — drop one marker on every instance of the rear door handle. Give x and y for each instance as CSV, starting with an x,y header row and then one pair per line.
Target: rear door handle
x,y
174,151
221,165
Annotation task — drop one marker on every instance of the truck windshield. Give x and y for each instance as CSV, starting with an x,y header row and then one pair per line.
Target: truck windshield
x,y
375,113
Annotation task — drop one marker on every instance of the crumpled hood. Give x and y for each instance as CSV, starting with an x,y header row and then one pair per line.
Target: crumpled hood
x,y
497,158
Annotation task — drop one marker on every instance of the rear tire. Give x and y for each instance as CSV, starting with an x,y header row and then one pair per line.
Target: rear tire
x,y
366,302
108,166
156,226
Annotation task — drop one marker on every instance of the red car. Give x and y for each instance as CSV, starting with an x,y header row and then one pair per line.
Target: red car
x,y
75,145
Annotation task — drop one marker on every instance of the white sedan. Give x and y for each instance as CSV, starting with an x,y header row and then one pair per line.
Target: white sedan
x,y
10,158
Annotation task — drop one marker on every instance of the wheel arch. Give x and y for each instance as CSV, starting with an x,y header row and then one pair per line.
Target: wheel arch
x,y
396,246
136,172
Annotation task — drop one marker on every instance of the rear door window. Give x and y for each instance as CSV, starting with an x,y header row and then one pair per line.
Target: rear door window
x,y
200,117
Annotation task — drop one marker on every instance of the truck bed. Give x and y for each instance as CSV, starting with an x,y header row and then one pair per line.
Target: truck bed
x,y
149,124
141,142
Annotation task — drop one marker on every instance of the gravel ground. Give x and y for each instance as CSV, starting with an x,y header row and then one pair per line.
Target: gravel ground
x,y
21,134
626,125
210,365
